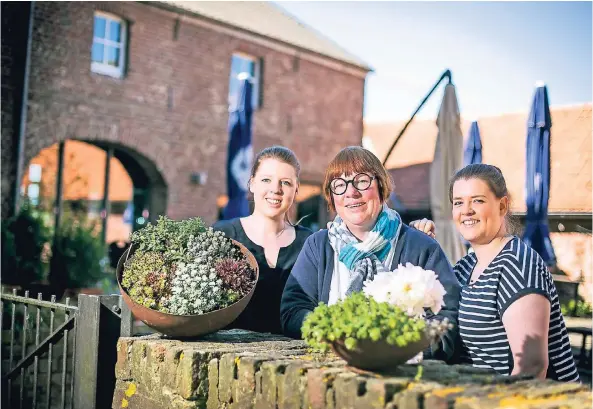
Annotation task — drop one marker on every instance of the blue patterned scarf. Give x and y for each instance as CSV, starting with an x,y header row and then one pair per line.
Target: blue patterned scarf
x,y
363,260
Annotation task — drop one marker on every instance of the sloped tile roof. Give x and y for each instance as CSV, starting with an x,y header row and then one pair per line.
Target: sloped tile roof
x,y
503,141
269,20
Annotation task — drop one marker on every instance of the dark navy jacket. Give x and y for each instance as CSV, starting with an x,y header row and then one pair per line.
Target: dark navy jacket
x,y
310,281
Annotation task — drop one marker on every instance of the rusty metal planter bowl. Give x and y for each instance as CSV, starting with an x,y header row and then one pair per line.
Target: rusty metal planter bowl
x,y
182,326
378,355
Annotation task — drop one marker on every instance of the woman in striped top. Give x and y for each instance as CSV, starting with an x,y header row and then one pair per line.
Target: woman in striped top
x,y
509,314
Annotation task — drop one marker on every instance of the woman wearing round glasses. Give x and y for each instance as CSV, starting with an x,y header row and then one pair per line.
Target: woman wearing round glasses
x,y
365,238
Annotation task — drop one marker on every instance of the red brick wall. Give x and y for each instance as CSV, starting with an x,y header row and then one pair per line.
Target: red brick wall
x,y
315,111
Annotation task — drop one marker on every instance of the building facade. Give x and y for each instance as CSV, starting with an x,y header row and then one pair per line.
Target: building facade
x,y
149,85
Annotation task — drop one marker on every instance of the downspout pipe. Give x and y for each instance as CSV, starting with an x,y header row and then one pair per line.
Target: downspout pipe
x,y
24,110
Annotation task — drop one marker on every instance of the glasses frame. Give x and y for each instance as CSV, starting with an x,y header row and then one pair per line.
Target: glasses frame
x,y
347,182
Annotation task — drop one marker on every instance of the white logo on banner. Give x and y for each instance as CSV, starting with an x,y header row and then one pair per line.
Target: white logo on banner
x,y
241,166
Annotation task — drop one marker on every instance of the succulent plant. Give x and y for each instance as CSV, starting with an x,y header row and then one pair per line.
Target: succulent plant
x,y
184,268
236,275
147,278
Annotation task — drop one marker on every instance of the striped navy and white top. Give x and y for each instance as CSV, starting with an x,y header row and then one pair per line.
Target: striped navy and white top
x,y
516,271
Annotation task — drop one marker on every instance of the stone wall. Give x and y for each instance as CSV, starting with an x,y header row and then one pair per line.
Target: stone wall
x,y
238,369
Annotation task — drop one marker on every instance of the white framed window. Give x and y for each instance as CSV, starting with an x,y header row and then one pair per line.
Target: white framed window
x,y
109,45
242,64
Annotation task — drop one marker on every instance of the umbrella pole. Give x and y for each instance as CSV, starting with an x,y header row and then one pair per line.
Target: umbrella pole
x,y
446,74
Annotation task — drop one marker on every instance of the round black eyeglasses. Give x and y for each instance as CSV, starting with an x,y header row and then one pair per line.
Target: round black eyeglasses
x,y
361,182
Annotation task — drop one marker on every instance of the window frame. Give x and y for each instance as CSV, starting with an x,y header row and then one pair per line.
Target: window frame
x,y
256,78
102,67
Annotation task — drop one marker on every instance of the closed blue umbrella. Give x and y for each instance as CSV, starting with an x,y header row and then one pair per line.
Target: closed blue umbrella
x,y
472,153
240,153
537,182
473,147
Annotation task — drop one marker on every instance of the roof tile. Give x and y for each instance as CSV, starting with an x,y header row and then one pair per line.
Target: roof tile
x,y
503,141
267,19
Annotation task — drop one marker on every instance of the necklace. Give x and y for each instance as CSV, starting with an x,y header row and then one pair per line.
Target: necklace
x,y
281,231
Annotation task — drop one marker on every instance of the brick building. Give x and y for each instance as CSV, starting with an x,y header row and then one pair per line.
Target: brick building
x,y
148,85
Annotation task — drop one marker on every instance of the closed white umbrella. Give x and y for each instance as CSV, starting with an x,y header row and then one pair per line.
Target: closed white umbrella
x,y
448,158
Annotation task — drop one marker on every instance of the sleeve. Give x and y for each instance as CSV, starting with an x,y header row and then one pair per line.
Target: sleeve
x,y
300,295
520,276
436,260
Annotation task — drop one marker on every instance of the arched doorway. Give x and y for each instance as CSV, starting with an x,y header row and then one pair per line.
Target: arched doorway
x,y
104,180
110,184
149,195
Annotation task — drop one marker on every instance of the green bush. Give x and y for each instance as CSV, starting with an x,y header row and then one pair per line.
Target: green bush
x,y
25,238
583,309
76,260
29,254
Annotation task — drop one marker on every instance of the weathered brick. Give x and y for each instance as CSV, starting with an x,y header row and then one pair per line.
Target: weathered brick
x,y
227,373
378,392
266,371
213,401
122,366
292,391
169,371
243,391
121,399
413,396
345,389
271,376
319,385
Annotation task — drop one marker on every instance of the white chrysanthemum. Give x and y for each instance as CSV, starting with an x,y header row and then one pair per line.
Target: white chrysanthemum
x,y
409,287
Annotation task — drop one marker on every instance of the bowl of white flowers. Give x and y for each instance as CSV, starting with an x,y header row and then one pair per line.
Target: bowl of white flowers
x,y
183,279
383,326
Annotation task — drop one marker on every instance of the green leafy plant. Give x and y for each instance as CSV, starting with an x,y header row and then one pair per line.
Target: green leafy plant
x,y
583,309
168,237
77,253
24,241
357,318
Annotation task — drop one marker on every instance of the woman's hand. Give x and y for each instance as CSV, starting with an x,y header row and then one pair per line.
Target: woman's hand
x,y
425,226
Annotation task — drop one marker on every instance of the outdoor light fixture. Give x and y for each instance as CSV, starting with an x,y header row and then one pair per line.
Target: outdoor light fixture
x,y
198,178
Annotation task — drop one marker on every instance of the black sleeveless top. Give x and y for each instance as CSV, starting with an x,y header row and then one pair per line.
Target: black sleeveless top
x,y
263,311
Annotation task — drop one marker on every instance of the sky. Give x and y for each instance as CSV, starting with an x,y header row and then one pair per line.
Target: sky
x,y
497,51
